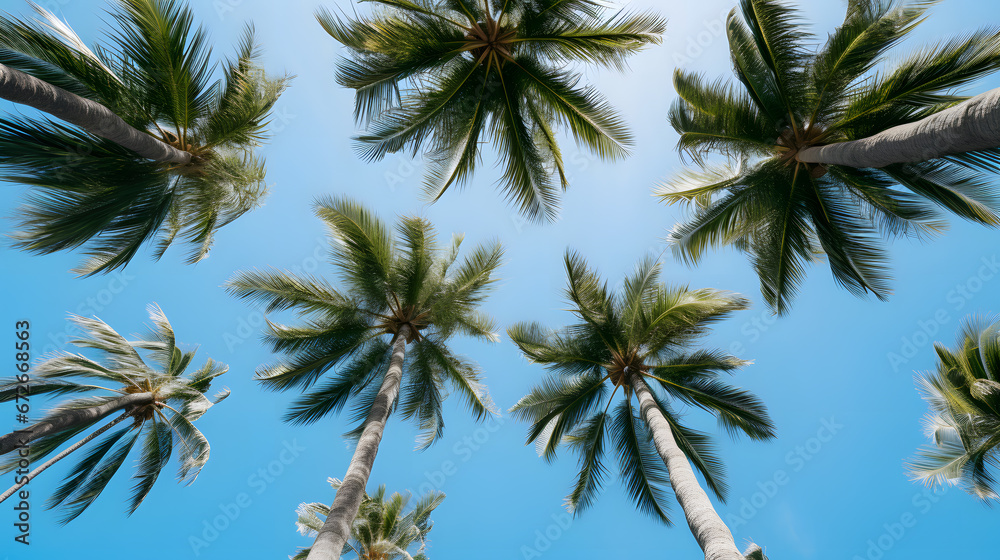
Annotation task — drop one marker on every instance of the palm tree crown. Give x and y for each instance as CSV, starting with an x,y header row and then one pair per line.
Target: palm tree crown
x,y
964,422
381,531
644,330
437,76
391,283
784,212
156,75
163,424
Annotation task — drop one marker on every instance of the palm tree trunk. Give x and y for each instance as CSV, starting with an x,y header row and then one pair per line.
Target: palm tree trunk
x,y
71,419
337,527
26,479
967,127
708,528
89,115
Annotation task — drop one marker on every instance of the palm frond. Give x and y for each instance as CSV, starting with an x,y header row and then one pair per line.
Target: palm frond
x,y
644,474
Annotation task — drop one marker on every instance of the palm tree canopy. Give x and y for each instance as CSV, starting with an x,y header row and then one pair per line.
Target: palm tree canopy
x,y
964,420
646,327
160,428
381,531
785,213
155,72
346,335
439,77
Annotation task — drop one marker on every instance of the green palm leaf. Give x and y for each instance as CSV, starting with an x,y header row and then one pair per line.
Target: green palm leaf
x,y
152,365
785,213
156,74
431,77
645,329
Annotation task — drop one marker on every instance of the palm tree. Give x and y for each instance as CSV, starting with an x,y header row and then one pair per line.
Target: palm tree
x,y
158,150
622,340
381,531
778,198
437,77
160,400
401,292
964,423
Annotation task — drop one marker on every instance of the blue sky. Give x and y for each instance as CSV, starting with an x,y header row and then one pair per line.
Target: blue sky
x,y
837,373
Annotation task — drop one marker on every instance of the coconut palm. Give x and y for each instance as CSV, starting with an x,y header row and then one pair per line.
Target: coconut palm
x,y
400,292
440,77
154,395
381,531
779,198
158,150
639,341
964,422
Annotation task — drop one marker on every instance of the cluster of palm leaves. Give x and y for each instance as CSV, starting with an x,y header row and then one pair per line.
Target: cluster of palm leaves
x,y
438,78
964,424
159,398
629,341
381,530
402,291
785,212
156,75
346,339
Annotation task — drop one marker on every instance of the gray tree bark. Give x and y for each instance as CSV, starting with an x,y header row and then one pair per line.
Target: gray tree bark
x,y
336,529
970,126
70,419
89,115
708,528
26,479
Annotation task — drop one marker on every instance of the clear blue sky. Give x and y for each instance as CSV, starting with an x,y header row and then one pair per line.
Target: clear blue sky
x,y
847,413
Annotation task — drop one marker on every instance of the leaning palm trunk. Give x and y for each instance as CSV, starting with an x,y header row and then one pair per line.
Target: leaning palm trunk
x,y
89,115
970,126
26,479
708,528
337,528
70,419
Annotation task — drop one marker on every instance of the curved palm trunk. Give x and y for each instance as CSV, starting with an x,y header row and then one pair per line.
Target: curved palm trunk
x,y
967,127
89,115
26,479
708,528
70,419
337,528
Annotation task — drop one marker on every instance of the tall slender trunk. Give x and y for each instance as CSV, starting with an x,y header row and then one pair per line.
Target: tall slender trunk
x,y
967,127
26,479
70,419
708,528
89,115
337,528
